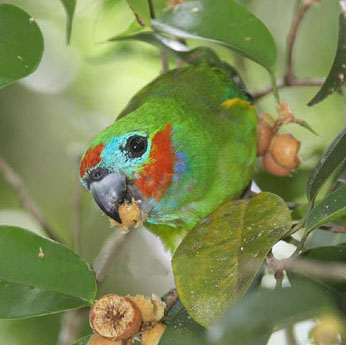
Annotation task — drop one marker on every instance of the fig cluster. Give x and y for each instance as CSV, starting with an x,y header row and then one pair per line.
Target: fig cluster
x,y
279,151
117,319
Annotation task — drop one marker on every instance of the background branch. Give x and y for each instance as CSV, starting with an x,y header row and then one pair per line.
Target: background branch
x,y
26,201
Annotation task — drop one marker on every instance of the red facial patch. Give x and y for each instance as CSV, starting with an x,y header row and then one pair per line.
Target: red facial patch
x,y
157,175
91,158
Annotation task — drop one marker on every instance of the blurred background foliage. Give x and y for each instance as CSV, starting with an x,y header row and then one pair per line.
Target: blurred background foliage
x,y
47,119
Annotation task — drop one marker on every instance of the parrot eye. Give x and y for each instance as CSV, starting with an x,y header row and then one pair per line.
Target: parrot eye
x,y
136,146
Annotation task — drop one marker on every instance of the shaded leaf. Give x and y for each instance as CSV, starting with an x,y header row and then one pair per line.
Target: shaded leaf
x,y
228,248
21,44
327,210
334,156
245,322
330,254
337,75
39,276
70,6
180,326
82,341
226,22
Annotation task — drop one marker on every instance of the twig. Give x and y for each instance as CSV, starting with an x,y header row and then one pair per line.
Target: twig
x,y
164,61
71,324
287,83
108,253
290,335
16,182
297,20
289,78
76,217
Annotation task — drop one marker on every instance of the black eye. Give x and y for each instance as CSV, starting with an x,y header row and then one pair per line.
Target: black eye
x,y
136,146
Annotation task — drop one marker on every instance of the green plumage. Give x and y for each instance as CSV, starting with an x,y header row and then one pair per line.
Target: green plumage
x,y
214,133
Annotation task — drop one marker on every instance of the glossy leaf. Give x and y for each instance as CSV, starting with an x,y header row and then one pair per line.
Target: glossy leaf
x,y
334,156
219,258
82,341
327,210
172,47
21,44
246,321
70,6
180,326
224,22
39,276
337,75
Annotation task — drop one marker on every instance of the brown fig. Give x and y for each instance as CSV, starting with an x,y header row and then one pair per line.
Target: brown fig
x,y
284,149
115,317
153,335
265,133
273,167
96,339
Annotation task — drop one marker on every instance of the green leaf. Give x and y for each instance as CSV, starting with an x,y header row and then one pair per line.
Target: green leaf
x,y
325,255
333,157
172,47
70,6
39,276
219,258
246,321
180,326
82,341
327,210
224,22
141,9
21,44
337,75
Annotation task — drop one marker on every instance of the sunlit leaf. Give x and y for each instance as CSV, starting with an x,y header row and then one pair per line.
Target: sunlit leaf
x,y
69,6
328,209
334,156
224,22
39,276
246,321
337,75
21,44
219,258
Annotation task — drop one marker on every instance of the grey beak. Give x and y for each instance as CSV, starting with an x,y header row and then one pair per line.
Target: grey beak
x,y
109,193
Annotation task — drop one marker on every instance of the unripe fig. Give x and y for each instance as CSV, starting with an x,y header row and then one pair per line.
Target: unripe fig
x,y
96,339
115,317
265,133
273,167
284,149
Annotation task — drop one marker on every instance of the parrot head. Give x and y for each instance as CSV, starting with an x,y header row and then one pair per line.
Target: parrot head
x,y
123,164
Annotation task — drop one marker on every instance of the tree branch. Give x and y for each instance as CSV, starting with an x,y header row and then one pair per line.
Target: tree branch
x,y
75,222
289,77
27,203
287,83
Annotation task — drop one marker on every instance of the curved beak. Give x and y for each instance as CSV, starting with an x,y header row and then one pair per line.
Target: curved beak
x,y
109,193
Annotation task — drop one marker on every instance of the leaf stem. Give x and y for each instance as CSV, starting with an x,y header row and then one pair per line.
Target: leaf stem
x,y
26,201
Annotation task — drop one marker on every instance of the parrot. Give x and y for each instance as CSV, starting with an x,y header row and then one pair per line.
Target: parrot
x,y
184,145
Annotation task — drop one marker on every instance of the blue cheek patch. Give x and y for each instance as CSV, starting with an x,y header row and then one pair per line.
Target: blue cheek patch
x,y
115,158
181,166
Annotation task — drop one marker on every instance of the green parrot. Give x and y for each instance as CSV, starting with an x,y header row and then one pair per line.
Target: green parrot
x,y
184,145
